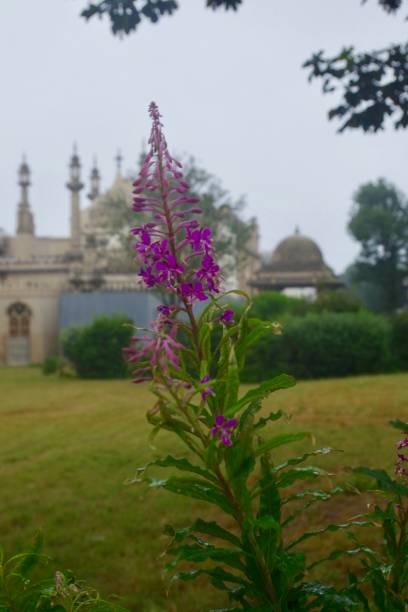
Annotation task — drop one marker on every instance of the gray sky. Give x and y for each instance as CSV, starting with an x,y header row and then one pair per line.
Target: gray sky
x,y
231,91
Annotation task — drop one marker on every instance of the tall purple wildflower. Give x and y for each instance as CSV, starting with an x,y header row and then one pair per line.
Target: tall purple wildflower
x,y
175,253
401,466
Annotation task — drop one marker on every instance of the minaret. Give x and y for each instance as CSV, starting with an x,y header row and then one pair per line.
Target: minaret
x,y
25,219
75,186
118,160
95,179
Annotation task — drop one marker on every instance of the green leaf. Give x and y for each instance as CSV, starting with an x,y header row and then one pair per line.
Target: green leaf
x,y
336,554
312,498
181,464
328,596
208,527
329,528
401,425
196,553
269,511
384,482
272,416
301,473
283,381
31,559
196,489
302,458
280,440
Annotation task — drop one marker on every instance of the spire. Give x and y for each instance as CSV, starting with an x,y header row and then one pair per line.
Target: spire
x,y
25,219
95,179
297,230
74,185
119,160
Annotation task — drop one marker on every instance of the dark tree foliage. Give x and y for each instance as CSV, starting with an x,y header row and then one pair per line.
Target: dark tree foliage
x,y
126,15
373,85
379,221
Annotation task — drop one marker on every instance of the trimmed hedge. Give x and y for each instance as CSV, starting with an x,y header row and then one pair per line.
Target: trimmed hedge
x,y
323,345
96,350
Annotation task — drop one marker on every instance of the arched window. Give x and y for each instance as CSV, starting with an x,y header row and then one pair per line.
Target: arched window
x,y
19,320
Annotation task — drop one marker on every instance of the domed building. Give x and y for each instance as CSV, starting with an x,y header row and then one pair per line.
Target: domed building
x,y
296,268
49,283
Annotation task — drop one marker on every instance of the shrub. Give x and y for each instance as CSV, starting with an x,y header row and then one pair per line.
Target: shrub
x,y
96,350
320,346
269,305
51,365
338,300
399,324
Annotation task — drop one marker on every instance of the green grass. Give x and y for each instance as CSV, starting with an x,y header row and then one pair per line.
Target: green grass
x,y
67,447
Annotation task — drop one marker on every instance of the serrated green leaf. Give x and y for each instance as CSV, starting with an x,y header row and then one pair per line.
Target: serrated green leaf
x,y
384,482
329,528
207,527
280,440
288,477
181,464
197,489
283,381
302,458
196,553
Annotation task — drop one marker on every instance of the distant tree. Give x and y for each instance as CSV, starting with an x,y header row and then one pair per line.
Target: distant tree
x,y
374,84
379,221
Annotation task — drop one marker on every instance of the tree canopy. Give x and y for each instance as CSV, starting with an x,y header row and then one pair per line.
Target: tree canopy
x,y
379,222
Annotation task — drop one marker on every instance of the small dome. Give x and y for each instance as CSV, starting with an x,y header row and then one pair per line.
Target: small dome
x,y
297,253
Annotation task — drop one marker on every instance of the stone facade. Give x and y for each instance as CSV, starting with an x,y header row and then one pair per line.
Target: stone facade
x,y
38,273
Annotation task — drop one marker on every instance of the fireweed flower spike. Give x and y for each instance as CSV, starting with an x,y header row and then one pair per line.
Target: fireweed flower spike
x,y
173,251
224,428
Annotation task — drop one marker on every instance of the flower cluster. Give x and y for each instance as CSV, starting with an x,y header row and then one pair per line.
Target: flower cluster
x,y
224,428
158,349
174,252
402,459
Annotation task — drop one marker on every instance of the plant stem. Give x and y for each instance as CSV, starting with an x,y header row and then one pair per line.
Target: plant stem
x,y
259,557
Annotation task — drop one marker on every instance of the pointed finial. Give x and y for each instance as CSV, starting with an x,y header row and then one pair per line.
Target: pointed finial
x,y
24,173
297,230
119,160
74,183
95,181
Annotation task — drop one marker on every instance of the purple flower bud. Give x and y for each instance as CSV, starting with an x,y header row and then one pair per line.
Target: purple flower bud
x,y
207,390
224,429
227,316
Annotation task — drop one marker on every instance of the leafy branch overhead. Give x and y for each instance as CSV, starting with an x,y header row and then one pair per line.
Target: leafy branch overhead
x,y
373,85
126,15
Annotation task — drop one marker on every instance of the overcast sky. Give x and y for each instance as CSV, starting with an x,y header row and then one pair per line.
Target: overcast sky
x,y
231,91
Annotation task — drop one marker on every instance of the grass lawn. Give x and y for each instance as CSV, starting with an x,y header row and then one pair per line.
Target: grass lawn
x,y
67,446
